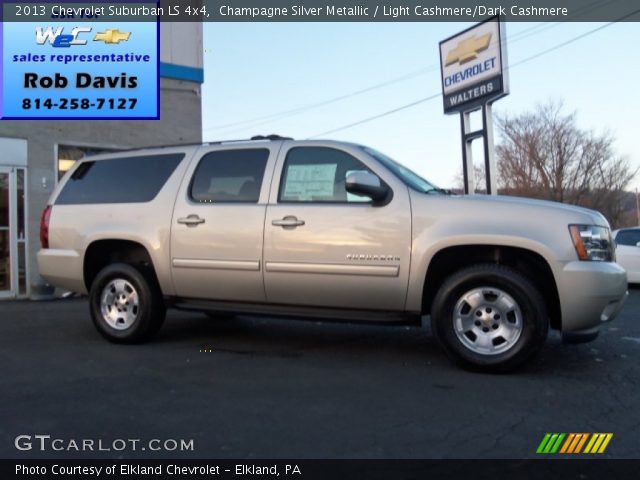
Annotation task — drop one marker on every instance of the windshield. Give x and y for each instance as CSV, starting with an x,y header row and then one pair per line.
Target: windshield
x,y
410,178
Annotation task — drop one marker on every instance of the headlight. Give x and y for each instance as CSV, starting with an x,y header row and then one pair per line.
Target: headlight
x,y
592,243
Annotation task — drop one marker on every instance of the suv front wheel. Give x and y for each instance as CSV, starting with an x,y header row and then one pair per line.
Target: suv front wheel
x,y
489,317
126,303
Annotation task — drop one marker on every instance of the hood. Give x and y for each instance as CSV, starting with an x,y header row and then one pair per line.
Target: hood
x,y
527,207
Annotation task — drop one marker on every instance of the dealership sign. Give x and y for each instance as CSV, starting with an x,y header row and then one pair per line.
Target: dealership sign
x,y
85,69
473,64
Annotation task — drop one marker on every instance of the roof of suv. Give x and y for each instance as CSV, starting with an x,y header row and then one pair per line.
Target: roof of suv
x,y
256,138
157,149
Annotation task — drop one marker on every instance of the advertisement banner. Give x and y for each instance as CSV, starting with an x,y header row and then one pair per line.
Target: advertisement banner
x,y
87,69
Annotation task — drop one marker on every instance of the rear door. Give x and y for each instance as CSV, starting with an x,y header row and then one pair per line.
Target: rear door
x,y
326,247
218,223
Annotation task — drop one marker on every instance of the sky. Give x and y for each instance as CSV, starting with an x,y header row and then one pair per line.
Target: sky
x,y
253,70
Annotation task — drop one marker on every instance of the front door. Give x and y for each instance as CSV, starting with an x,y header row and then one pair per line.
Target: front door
x,y
12,232
326,247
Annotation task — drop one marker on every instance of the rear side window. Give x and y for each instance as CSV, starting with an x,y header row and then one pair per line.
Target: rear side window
x,y
119,180
628,237
229,176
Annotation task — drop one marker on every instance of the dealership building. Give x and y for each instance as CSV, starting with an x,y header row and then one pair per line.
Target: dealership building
x,y
34,154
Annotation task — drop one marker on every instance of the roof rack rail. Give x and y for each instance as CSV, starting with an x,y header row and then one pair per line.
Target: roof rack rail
x,y
272,137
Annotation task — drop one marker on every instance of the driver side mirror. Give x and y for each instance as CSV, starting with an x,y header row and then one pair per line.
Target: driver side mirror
x,y
366,184
638,244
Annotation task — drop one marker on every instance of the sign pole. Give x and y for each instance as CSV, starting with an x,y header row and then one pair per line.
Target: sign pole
x,y
489,150
468,172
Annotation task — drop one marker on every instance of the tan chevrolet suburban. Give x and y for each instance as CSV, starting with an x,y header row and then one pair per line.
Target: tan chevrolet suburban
x,y
324,229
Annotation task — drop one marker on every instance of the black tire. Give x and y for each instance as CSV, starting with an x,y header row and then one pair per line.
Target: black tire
x,y
148,314
532,318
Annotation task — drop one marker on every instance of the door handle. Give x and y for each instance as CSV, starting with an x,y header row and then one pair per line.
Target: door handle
x,y
288,222
191,220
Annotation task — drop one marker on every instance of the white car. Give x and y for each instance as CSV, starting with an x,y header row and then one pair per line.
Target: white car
x,y
628,252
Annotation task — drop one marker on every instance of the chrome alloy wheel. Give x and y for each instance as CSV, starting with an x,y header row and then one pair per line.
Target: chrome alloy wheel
x,y
119,304
487,320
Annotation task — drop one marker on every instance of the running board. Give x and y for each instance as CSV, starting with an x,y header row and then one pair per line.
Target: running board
x,y
303,313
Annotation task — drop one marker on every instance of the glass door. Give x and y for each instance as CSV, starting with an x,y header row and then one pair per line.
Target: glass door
x,y
5,232
13,239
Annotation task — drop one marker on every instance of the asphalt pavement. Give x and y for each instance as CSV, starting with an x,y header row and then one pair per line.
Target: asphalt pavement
x,y
250,387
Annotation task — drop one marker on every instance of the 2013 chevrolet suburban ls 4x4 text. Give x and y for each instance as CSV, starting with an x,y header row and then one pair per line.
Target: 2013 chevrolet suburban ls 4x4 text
x,y
324,229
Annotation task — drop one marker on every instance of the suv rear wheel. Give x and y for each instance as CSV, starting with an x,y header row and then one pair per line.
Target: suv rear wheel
x,y
489,317
126,303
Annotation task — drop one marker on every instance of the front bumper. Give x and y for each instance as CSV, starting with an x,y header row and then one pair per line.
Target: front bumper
x,y
591,293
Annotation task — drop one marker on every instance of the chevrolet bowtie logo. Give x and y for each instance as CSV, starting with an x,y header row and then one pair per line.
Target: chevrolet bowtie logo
x,y
468,49
113,35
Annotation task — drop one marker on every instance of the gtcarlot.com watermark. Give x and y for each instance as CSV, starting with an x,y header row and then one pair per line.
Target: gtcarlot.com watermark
x,y
47,443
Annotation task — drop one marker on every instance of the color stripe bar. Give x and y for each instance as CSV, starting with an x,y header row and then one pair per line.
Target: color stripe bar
x,y
583,439
567,443
591,442
550,443
606,441
599,441
556,445
543,443
574,444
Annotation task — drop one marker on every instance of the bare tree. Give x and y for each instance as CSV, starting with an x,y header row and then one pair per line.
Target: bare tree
x,y
544,154
479,180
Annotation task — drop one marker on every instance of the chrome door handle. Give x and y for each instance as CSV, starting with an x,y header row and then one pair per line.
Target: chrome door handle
x,y
288,221
191,220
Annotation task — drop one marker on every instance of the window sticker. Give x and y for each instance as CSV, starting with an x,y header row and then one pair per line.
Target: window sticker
x,y
310,182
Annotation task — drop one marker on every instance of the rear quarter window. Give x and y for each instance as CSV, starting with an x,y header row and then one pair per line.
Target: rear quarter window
x,y
119,180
